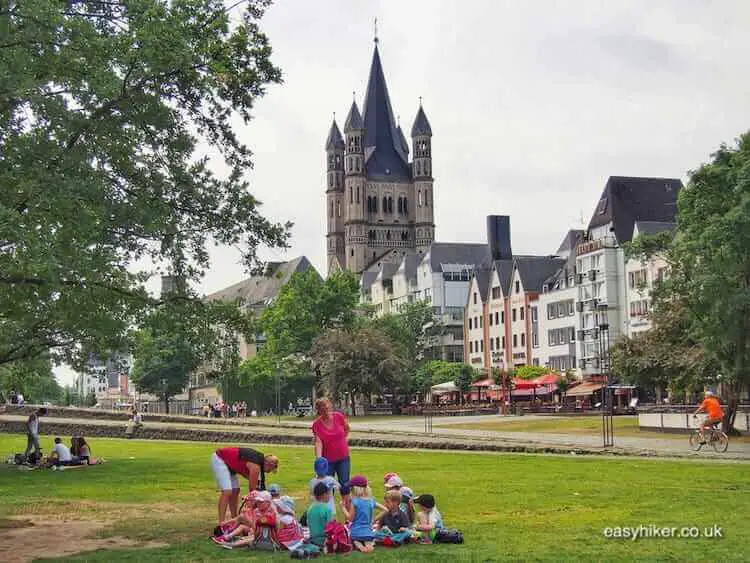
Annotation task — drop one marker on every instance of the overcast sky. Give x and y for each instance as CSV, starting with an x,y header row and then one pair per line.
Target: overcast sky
x,y
533,104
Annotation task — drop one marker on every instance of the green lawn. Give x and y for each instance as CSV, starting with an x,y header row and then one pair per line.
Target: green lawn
x,y
510,507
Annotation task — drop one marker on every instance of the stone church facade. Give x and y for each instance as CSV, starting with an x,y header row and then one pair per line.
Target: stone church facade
x,y
379,203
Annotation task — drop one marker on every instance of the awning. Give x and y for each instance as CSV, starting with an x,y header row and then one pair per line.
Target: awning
x,y
447,387
547,379
538,392
584,389
519,383
484,383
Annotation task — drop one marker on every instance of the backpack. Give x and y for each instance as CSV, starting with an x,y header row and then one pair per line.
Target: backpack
x,y
448,535
265,539
337,538
306,551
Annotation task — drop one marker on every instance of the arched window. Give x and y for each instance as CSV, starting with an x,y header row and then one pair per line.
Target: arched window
x,y
338,208
419,198
351,195
419,168
390,205
385,204
330,180
351,253
357,194
331,212
356,161
337,181
349,163
388,235
426,198
400,205
374,204
426,168
406,206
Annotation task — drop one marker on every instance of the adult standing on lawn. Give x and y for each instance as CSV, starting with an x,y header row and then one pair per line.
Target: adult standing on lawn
x,y
331,431
227,463
32,434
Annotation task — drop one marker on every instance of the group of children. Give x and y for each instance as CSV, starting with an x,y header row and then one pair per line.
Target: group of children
x,y
267,520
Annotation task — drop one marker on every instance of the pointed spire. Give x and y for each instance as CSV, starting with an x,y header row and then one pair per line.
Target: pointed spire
x,y
335,140
404,144
421,124
353,120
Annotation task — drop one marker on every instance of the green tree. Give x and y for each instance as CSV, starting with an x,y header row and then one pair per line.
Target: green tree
x,y
359,362
306,307
108,111
32,377
70,396
530,372
90,400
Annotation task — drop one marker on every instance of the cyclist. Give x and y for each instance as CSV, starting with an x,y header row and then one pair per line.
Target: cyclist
x,y
712,407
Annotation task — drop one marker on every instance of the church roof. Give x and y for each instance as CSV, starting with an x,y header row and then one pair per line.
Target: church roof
x,y
404,144
353,120
421,124
335,140
383,149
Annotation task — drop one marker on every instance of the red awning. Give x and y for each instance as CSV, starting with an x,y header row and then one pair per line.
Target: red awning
x,y
519,383
483,383
547,379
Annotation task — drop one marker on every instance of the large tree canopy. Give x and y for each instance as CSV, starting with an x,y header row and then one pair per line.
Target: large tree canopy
x,y
102,109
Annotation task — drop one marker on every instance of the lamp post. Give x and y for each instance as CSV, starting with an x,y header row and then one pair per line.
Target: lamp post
x,y
602,321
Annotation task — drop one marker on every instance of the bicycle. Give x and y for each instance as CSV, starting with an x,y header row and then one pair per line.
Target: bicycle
x,y
718,439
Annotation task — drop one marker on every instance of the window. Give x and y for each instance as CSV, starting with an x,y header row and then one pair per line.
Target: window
x,y
518,286
497,342
551,311
513,314
471,347
357,194
390,205
661,274
521,310
476,322
400,206
469,323
419,168
480,322
571,334
475,298
523,339
496,292
502,317
426,198
406,206
503,341
515,341
535,339
351,253
492,344
419,198
338,208
330,180
490,317
331,212
639,308
385,204
637,279
351,195
496,318
534,315
481,345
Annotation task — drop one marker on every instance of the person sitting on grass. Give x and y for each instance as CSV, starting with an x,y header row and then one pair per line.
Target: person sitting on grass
x,y
393,527
429,519
360,515
319,513
241,525
346,499
275,491
407,504
290,533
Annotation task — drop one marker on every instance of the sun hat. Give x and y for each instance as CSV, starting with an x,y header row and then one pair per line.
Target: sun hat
x,y
427,501
274,489
321,466
264,496
251,497
286,504
358,481
389,476
394,482
407,493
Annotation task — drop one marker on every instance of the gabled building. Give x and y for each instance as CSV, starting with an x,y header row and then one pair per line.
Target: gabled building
x,y
602,300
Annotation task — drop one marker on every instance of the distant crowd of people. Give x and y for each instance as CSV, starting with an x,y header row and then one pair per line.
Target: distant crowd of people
x,y
220,409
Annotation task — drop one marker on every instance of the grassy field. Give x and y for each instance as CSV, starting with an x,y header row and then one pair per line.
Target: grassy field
x,y
510,507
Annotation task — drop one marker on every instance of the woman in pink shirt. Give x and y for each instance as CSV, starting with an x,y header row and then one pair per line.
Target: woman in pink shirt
x,y
331,431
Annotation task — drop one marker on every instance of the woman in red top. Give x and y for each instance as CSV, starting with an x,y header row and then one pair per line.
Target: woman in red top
x,y
331,431
227,463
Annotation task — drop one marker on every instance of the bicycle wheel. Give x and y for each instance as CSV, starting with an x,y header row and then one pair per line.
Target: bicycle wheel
x,y
695,441
720,442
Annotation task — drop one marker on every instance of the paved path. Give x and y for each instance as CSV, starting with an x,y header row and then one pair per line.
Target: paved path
x,y
412,429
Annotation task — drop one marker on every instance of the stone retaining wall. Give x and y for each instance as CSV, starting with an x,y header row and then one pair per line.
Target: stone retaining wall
x,y
146,433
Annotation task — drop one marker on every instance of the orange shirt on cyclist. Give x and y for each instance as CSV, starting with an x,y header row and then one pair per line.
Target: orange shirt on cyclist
x,y
712,407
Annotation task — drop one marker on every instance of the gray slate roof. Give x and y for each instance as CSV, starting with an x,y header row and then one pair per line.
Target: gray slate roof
x,y
257,290
473,254
335,140
482,276
411,264
504,269
421,124
353,120
404,144
367,279
387,271
384,160
535,270
626,200
653,227
572,239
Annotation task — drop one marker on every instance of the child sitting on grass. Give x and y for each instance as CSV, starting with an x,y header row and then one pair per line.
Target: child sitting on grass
x,y
429,519
393,527
290,532
360,514
407,504
242,525
262,517
346,499
321,475
319,513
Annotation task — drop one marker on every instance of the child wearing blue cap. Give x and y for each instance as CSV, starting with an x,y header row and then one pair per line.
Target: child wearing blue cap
x,y
321,476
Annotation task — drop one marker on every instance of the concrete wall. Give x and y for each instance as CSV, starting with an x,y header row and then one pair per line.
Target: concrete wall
x,y
684,422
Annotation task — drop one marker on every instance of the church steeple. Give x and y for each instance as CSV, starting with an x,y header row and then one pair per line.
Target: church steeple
x,y
335,141
383,150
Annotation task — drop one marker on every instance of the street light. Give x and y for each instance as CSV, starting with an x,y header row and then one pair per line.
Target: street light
x,y
602,321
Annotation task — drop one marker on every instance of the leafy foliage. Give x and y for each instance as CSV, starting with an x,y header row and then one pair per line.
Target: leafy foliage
x,y
102,108
32,378
530,372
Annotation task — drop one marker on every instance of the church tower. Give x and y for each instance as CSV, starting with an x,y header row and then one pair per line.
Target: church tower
x,y
379,204
335,198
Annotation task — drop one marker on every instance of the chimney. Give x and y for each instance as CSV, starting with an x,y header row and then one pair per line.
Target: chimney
x,y
498,237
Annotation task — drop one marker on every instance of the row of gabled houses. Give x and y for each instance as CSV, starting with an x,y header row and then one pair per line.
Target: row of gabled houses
x,y
562,310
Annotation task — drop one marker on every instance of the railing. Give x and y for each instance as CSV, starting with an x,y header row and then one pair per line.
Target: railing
x,y
594,245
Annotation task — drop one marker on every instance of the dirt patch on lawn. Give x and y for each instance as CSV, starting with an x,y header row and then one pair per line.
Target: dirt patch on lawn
x,y
49,537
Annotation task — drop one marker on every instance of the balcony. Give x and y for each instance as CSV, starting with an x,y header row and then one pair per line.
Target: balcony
x,y
594,245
